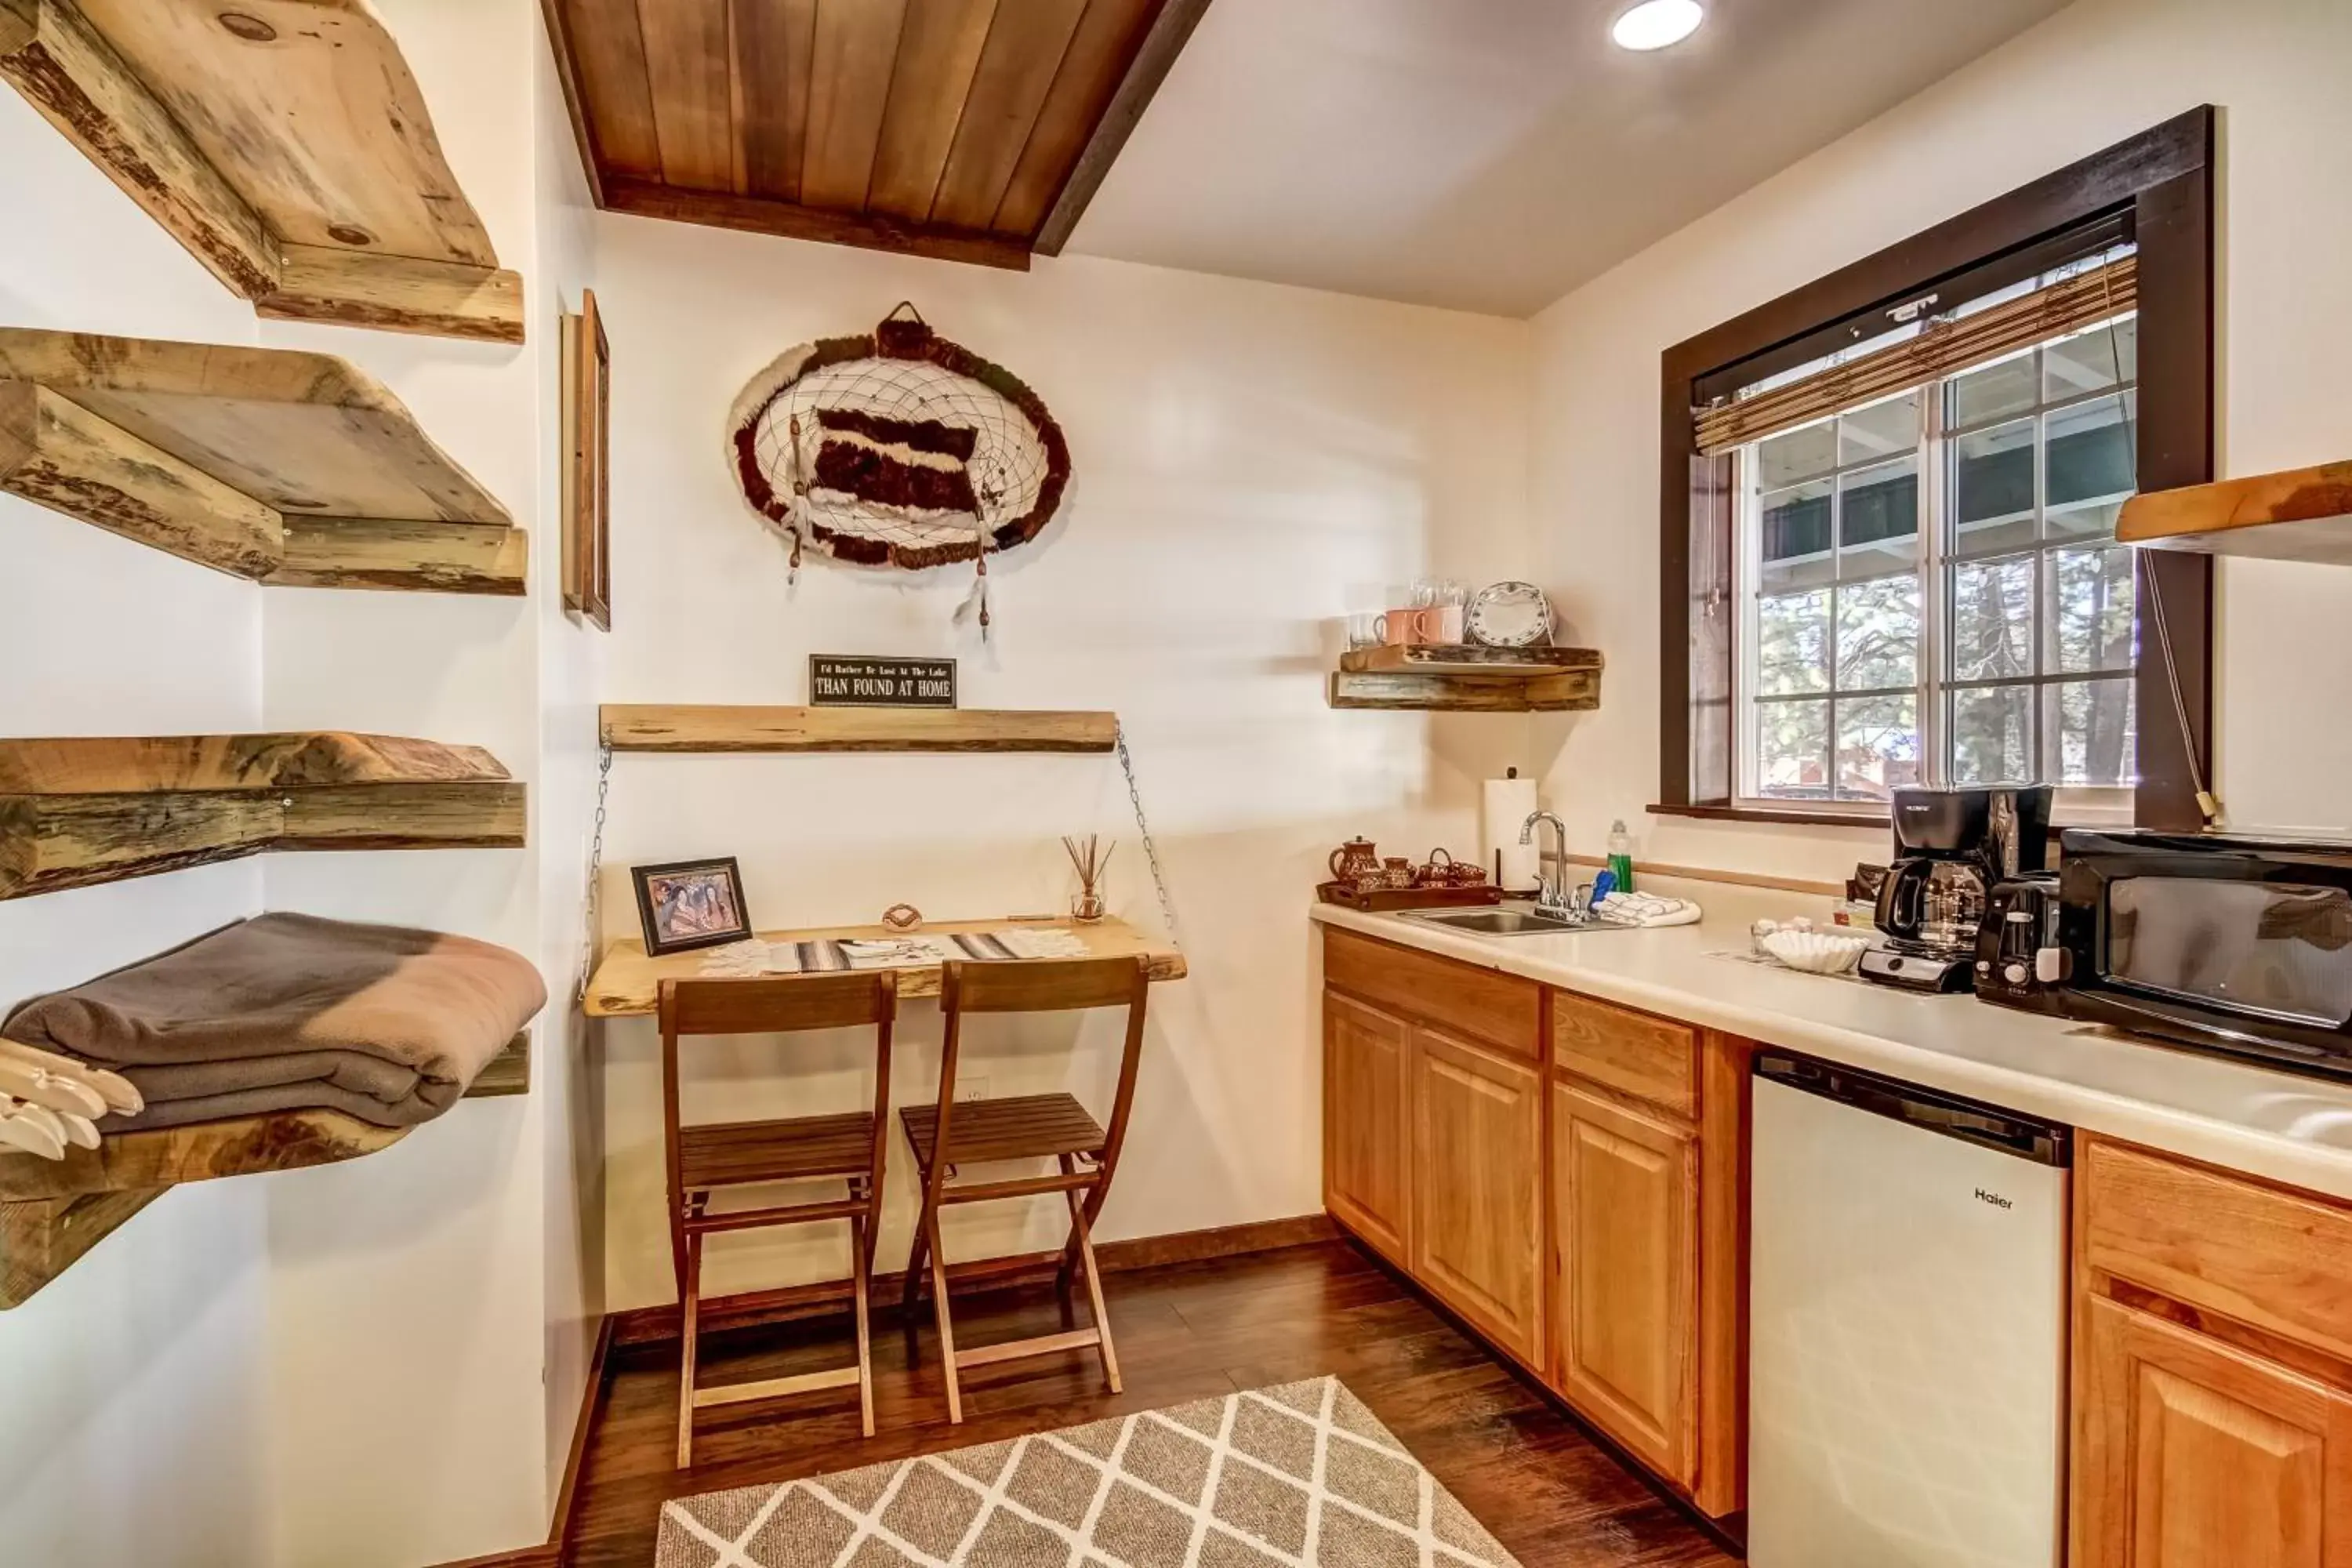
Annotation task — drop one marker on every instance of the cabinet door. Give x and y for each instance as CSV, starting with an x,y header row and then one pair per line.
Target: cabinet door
x,y
1478,1231
1367,1138
2190,1453
1625,1315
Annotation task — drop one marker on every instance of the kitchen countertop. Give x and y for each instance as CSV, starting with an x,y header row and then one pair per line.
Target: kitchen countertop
x,y
2284,1126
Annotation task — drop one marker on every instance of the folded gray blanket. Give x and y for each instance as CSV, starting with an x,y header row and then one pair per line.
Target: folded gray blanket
x,y
291,1012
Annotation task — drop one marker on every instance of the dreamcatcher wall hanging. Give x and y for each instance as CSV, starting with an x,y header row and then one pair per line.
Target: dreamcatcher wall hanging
x,y
898,449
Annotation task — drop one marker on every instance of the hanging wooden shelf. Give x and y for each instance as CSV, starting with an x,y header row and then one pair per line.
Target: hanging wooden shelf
x,y
2301,514
638,728
291,469
77,812
1468,680
52,1212
285,142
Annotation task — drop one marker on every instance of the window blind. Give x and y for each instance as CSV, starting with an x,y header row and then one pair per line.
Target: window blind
x,y
1944,347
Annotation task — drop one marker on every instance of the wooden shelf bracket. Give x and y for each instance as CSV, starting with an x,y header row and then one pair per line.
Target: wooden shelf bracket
x,y
79,812
284,143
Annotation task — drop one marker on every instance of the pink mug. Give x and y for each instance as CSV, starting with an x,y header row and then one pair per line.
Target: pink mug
x,y
1404,629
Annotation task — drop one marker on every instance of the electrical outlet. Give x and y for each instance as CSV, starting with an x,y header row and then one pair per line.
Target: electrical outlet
x,y
969,1086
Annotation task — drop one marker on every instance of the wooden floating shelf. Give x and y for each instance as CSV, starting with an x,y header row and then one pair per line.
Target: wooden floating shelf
x,y
291,468
719,729
1464,680
1468,660
52,1212
79,812
284,143
2301,514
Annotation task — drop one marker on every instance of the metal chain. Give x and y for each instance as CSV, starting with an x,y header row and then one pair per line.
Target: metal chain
x,y
595,869
1151,850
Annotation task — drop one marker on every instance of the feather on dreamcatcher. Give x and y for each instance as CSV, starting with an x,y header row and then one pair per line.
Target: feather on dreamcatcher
x,y
899,450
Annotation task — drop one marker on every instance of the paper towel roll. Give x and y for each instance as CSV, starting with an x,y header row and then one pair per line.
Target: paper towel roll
x,y
1508,803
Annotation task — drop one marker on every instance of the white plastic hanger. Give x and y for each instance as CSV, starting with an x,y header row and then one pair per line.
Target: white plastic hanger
x,y
56,1091
20,1130
121,1097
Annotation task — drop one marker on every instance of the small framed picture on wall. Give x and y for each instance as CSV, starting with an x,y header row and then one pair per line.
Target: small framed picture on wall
x,y
690,904
587,464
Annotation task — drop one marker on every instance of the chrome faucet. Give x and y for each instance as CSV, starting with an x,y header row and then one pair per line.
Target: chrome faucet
x,y
1551,886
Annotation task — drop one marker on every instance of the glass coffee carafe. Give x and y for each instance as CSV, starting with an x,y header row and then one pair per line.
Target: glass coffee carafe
x,y
1943,906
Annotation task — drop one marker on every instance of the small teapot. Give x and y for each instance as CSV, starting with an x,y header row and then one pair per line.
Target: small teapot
x,y
1355,860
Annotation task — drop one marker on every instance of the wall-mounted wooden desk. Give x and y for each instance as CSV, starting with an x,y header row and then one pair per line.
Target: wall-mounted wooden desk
x,y
627,981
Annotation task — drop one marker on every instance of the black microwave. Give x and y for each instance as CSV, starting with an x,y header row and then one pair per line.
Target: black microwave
x,y
2224,942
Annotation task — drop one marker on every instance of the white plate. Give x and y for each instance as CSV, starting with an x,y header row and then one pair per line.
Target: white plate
x,y
1510,615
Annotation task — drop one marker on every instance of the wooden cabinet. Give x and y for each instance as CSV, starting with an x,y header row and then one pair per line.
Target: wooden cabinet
x,y
1366,1135
2193,1453
2213,1397
1567,1174
1625,1238
1477,1234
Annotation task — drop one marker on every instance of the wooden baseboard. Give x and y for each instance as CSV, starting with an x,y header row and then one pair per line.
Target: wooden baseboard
x,y
527,1557
753,1308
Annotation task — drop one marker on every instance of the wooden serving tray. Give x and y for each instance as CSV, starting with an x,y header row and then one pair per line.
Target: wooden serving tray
x,y
1387,899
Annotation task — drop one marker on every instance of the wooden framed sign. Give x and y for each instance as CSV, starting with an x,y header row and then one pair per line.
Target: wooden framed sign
x,y
588,465
843,680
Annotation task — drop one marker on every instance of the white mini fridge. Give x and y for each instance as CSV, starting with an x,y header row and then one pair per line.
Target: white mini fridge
x,y
1907,1315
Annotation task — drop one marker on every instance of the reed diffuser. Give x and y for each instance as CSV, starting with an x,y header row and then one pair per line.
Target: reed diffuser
x,y
1089,857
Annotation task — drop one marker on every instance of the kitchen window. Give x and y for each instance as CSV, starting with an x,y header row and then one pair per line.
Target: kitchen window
x,y
1888,506
1928,585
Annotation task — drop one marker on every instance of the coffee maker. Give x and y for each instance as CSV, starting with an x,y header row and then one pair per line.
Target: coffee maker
x,y
1952,847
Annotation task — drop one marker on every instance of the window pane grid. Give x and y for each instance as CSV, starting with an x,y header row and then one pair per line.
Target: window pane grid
x,y
2001,485
1834,610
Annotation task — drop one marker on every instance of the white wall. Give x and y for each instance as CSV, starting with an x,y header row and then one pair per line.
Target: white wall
x,y
2094,74
437,1289
568,1088
377,1363
1242,453
142,1372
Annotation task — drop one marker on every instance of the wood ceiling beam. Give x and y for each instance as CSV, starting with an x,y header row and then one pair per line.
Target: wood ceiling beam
x,y
753,215
1171,30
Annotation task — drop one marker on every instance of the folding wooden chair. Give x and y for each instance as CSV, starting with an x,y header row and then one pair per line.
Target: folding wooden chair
x,y
1041,1126
706,1157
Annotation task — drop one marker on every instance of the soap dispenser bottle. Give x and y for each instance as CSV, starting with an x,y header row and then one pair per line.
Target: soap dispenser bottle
x,y
1621,857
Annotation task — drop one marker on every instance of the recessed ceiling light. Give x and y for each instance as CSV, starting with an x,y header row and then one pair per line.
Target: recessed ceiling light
x,y
1654,24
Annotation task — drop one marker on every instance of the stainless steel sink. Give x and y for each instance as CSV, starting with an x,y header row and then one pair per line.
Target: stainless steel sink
x,y
1507,920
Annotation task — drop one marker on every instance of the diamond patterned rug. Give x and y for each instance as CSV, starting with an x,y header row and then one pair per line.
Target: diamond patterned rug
x,y
1297,1477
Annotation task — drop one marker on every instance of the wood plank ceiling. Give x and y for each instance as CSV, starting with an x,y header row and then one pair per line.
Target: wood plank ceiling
x,y
970,129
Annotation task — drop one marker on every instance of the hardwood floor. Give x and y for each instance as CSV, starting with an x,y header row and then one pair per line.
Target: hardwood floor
x,y
1186,1330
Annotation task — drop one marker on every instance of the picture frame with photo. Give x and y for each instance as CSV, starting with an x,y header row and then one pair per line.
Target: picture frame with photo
x,y
689,904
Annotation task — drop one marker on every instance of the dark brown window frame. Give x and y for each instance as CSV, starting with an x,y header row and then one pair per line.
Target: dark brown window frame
x,y
2157,187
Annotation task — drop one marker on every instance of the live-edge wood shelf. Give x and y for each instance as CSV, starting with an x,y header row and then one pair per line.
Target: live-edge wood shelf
x,y
723,728
291,468
284,143
1468,680
52,1212
78,811
2301,514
